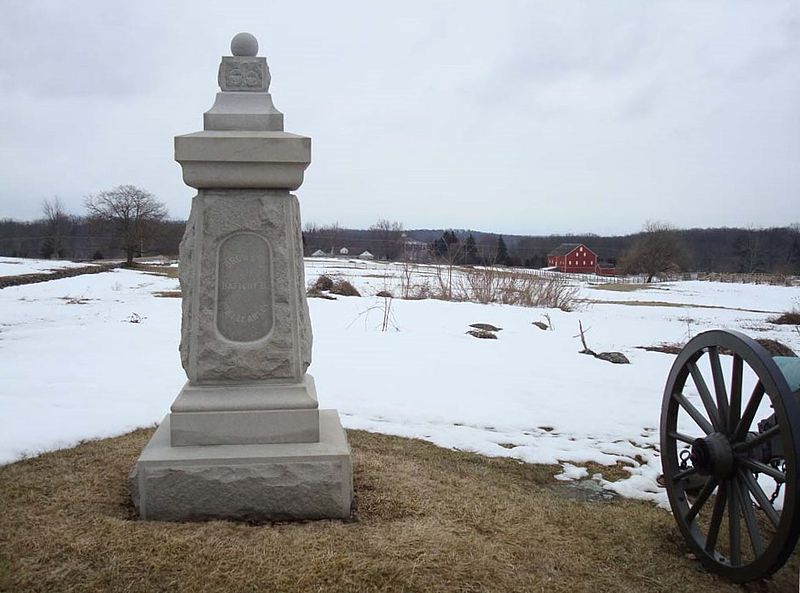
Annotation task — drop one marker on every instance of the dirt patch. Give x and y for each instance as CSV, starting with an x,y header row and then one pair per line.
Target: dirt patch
x,y
6,281
169,294
426,519
583,491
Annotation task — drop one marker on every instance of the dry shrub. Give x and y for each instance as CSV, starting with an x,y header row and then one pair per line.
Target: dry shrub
x,y
323,283
344,288
444,289
495,285
419,292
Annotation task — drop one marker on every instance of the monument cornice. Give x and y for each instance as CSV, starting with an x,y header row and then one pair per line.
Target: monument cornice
x,y
215,159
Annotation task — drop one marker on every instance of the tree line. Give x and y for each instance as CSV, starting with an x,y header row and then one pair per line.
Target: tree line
x,y
129,222
125,221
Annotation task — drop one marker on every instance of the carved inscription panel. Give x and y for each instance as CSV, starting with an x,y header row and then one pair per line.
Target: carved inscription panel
x,y
244,288
243,74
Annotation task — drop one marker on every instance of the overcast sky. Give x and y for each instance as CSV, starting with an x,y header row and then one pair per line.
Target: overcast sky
x,y
513,117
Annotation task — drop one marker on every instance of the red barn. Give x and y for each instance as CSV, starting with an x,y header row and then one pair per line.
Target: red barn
x,y
573,257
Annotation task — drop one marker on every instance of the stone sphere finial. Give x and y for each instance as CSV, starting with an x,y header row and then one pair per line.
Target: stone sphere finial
x,y
244,44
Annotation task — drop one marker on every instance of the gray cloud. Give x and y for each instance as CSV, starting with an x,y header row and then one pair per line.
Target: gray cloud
x,y
510,116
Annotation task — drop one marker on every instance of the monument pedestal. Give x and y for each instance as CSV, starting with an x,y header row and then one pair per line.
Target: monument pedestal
x,y
245,482
245,413
245,438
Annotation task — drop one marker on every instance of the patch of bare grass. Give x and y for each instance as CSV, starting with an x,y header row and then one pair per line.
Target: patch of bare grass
x,y
788,318
664,347
621,287
168,294
612,473
669,304
168,271
426,519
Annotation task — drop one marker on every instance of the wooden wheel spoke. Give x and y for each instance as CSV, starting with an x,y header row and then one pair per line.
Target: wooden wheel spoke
x,y
761,497
749,518
716,519
757,440
705,396
719,386
734,526
702,497
749,412
695,414
735,410
679,436
763,468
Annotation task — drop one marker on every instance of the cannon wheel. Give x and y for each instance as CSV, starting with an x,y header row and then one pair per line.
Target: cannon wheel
x,y
715,495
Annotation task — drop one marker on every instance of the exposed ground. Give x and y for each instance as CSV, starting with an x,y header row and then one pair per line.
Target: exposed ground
x,y
426,519
668,304
47,276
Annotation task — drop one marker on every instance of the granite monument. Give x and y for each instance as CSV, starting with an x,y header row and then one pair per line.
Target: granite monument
x,y
245,438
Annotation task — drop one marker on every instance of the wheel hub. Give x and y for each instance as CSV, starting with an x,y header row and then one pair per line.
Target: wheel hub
x,y
713,456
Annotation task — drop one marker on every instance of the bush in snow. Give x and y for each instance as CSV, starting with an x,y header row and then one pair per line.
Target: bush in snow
x,y
323,283
512,287
344,288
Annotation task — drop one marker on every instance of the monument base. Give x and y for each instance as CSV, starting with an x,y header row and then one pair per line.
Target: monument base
x,y
245,482
253,413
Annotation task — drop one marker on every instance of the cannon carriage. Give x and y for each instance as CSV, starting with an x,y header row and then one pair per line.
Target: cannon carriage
x,y
730,449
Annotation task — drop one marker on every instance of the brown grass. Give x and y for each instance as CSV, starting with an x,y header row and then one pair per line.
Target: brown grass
x,y
168,271
612,473
669,304
622,287
426,519
664,347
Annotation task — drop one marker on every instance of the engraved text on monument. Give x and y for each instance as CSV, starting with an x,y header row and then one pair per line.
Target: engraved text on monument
x,y
244,292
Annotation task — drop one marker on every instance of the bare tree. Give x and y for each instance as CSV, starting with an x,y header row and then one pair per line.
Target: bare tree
x,y
656,251
56,219
132,213
388,235
749,249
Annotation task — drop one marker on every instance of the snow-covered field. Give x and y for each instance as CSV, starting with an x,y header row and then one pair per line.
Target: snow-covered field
x,y
14,266
96,355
